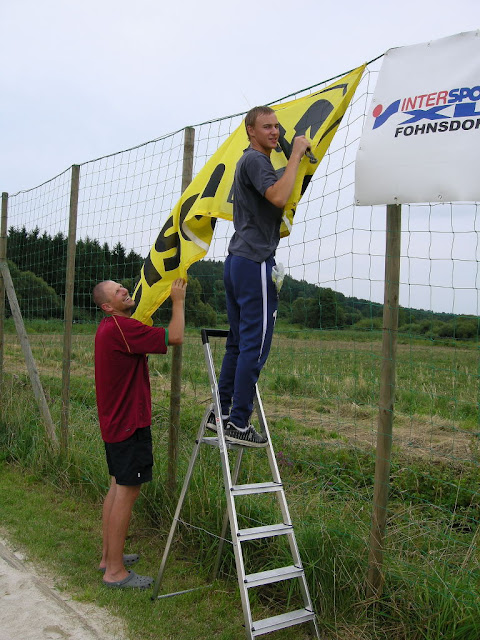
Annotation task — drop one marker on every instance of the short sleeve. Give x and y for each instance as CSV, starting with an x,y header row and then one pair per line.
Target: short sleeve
x,y
139,338
260,172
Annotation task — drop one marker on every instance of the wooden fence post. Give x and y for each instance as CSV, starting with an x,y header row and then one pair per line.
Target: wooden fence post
x,y
68,308
176,375
27,352
3,258
375,578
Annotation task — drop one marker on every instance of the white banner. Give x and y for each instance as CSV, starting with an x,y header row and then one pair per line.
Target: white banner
x,y
421,140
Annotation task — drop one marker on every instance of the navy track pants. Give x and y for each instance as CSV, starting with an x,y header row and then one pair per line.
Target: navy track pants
x,y
252,303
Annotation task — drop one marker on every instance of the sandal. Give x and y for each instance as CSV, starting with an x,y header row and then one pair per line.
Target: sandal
x,y
132,581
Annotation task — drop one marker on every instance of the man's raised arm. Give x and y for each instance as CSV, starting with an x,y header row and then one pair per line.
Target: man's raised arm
x,y
176,328
279,193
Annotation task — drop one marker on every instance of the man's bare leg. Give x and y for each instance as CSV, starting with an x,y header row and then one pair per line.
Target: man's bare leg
x,y
107,507
117,511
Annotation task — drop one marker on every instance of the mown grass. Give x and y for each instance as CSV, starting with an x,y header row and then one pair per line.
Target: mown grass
x,y
320,398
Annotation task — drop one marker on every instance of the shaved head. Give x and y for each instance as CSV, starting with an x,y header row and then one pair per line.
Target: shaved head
x,y
101,293
113,298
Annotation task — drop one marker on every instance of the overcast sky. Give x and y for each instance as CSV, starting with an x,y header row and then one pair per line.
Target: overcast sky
x,y
84,79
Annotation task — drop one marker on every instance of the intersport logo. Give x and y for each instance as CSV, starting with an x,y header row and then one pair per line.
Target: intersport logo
x,y
440,111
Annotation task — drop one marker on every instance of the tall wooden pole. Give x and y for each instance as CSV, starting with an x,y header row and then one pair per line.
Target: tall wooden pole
x,y
3,258
27,352
176,376
375,578
68,308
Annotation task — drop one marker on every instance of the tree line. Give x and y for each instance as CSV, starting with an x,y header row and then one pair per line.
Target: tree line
x,y
38,267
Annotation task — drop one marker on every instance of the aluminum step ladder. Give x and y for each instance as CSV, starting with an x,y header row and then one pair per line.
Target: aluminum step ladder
x,y
295,571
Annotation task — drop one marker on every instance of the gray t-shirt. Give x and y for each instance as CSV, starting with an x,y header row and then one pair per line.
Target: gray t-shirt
x,y
256,220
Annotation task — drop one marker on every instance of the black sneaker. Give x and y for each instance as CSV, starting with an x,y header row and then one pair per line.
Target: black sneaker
x,y
247,438
211,424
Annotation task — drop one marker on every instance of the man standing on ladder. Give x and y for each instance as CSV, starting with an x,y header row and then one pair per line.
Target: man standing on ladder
x,y
259,197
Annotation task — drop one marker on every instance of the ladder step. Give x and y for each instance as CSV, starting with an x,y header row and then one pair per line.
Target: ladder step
x,y
213,441
210,440
259,487
274,575
281,622
264,532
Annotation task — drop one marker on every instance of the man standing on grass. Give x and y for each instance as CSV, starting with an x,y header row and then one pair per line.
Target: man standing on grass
x,y
125,411
259,197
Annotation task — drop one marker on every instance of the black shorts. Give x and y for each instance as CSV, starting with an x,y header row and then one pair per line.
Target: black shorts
x,y
130,462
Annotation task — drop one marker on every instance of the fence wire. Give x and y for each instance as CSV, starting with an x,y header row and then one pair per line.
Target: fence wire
x,y
320,385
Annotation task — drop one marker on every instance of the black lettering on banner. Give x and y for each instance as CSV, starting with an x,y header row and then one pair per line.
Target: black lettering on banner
x,y
150,274
212,187
215,179
343,87
163,243
305,183
230,195
173,262
184,209
211,219
440,127
470,123
312,119
333,126
166,243
138,296
283,145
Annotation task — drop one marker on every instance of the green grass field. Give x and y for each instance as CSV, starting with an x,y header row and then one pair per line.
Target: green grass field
x,y
320,393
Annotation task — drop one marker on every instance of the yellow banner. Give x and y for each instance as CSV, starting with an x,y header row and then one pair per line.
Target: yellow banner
x,y
187,233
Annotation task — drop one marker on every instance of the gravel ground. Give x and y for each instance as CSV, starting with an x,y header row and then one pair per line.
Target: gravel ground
x,y
32,609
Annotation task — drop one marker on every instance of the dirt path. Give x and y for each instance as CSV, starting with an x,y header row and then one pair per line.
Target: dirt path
x,y
32,609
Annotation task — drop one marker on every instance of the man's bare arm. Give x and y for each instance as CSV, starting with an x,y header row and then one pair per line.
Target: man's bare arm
x,y
176,328
279,193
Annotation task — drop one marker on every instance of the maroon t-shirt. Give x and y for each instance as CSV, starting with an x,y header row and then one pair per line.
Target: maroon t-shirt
x,y
121,375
